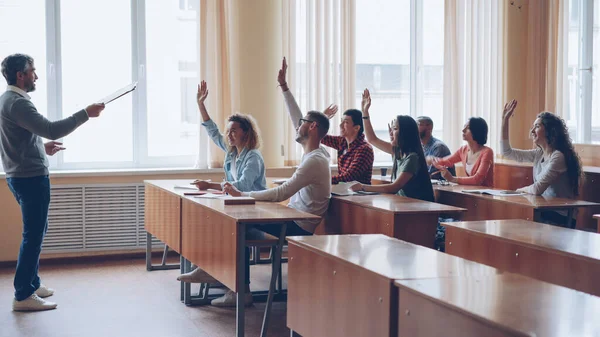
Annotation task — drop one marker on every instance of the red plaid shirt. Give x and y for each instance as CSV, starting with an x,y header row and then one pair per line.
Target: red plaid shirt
x,y
354,163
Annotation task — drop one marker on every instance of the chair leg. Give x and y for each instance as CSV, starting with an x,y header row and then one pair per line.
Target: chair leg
x,y
276,261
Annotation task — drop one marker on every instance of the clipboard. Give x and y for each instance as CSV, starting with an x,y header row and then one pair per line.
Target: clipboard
x,y
119,93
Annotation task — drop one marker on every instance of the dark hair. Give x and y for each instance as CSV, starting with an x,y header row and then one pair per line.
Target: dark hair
x,y
557,135
14,63
322,122
356,116
248,124
425,119
408,141
479,130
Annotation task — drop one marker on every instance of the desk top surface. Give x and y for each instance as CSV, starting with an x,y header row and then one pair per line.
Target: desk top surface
x,y
259,212
170,185
527,200
397,204
538,235
515,302
390,258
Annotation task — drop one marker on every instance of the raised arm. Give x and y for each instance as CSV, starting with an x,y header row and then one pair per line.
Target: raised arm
x,y
290,102
211,128
507,151
369,132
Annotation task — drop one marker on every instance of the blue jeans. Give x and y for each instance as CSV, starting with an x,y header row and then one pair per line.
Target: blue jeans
x,y
33,195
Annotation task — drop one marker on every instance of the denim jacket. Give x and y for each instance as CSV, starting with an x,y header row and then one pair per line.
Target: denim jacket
x,y
250,163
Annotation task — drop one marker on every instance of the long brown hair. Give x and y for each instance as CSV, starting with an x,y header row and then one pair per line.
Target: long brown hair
x,y
408,141
557,135
252,139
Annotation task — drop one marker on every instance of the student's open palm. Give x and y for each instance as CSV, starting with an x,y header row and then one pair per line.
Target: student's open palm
x,y
331,111
509,109
366,100
202,92
282,73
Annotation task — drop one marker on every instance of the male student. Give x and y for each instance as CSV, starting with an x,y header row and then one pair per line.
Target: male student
x,y
310,186
355,155
24,159
432,147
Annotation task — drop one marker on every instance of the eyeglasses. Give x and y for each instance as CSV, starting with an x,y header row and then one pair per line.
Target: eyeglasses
x,y
304,120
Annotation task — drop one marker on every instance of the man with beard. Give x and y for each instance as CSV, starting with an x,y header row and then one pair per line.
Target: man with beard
x,y
309,187
24,159
432,147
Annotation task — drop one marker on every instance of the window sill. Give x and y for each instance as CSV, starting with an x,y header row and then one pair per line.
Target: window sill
x,y
126,172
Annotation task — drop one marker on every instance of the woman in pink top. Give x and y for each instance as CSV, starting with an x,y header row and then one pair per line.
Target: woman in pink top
x,y
477,159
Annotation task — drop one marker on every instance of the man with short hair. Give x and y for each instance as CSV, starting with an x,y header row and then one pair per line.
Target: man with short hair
x,y
432,147
309,187
24,159
355,155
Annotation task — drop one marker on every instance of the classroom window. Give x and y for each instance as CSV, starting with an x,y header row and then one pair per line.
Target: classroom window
x,y
84,51
583,65
403,66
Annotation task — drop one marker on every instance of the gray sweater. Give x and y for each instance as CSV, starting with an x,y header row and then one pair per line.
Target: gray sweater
x,y
21,126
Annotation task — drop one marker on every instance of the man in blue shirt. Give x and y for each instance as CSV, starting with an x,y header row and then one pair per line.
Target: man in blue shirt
x,y
432,147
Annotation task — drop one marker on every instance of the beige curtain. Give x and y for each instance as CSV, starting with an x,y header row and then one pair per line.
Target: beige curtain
x,y
473,67
218,65
318,41
557,81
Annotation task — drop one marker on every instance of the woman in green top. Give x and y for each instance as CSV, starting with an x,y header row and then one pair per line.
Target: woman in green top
x,y
409,174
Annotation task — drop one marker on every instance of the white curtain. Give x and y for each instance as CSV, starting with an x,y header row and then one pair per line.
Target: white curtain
x,y
473,67
318,41
218,63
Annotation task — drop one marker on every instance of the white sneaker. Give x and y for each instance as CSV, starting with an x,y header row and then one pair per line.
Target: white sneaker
x,y
197,276
230,300
33,303
44,291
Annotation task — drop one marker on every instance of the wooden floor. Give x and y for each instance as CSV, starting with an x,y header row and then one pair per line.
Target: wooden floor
x,y
120,298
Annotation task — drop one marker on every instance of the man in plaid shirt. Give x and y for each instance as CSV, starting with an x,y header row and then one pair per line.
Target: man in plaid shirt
x,y
355,155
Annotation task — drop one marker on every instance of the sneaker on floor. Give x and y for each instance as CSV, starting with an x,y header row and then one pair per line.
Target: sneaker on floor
x,y
33,303
230,300
44,291
196,276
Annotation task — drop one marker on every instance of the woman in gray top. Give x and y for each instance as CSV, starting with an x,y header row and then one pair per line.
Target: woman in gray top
x,y
557,168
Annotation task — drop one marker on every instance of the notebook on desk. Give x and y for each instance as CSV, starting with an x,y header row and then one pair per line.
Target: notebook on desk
x,y
229,200
501,193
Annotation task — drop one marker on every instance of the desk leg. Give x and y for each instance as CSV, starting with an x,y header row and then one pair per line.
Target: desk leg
x,y
187,287
294,334
181,271
274,274
148,251
241,281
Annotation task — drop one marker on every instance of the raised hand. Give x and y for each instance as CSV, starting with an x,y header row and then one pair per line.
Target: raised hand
x,y
94,110
202,92
53,147
331,111
509,109
231,190
281,78
366,101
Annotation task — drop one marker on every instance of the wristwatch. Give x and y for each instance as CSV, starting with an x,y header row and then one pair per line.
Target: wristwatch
x,y
365,117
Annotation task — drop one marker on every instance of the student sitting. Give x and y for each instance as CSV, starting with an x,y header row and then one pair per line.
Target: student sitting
x,y
409,171
432,147
557,168
477,159
355,155
309,187
244,165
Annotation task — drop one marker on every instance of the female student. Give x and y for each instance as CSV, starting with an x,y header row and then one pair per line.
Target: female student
x,y
556,166
409,171
477,159
244,165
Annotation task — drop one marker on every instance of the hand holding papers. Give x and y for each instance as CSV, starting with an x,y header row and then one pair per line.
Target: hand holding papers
x,y
119,93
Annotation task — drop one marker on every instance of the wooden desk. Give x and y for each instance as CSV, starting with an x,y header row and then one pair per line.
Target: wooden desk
x,y
548,253
342,285
404,218
162,217
487,207
502,305
213,238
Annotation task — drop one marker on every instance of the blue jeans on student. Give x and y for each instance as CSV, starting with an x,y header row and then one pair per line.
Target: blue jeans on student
x,y
33,195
